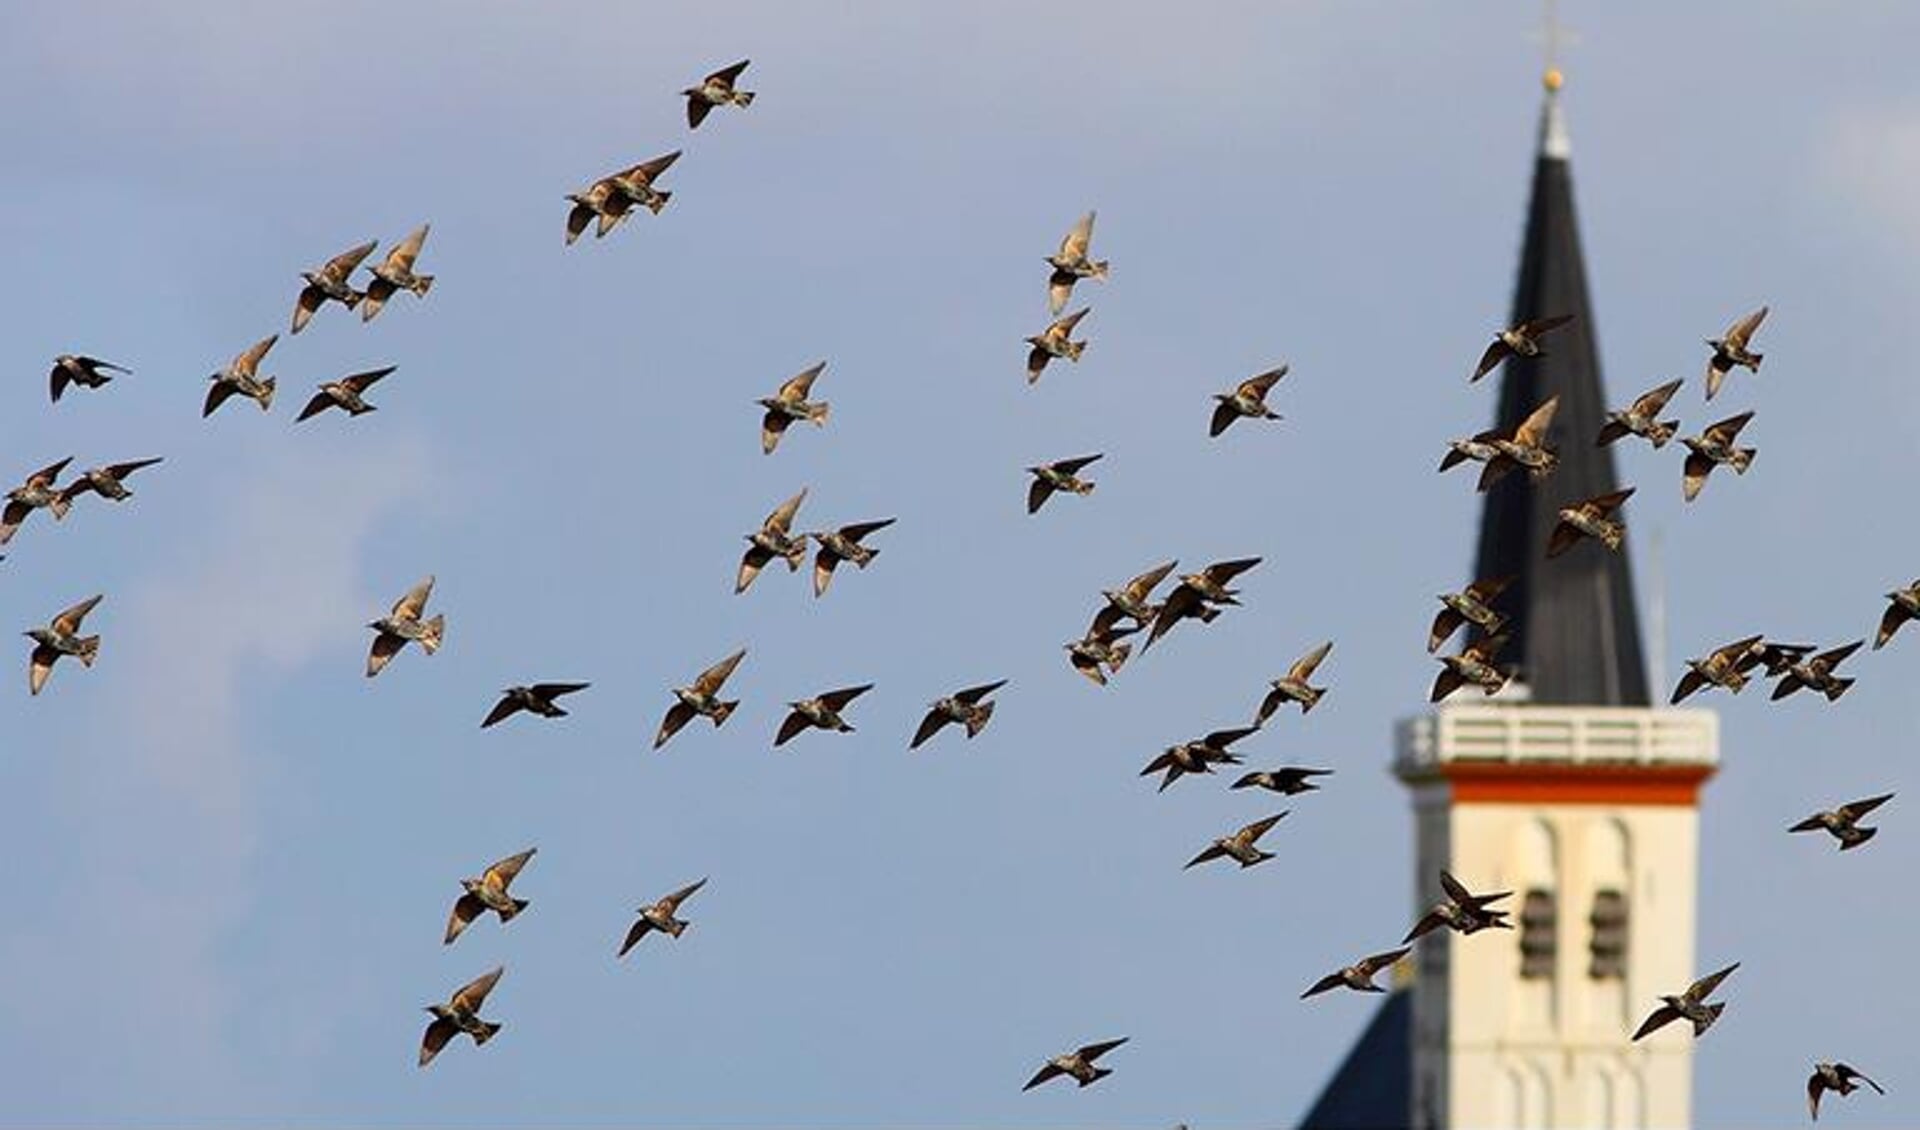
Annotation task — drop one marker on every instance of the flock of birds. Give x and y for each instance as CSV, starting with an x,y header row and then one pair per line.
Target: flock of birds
x,y
1099,654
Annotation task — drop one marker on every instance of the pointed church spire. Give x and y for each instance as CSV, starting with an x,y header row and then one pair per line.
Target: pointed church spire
x,y
1575,631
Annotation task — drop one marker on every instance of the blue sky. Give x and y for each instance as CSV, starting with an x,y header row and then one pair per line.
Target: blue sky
x,y
234,855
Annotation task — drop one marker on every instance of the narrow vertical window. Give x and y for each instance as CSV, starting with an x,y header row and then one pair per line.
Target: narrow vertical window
x,y
1607,952
1538,925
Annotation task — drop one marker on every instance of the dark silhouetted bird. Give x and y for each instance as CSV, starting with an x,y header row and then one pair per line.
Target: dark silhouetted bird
x,y
460,1014
1522,340
1472,605
1287,781
1239,846
1473,665
1359,975
345,394
1690,1006
773,539
1835,1077
1641,418
1720,668
1197,756
104,481
1817,673
1197,593
1589,519
1905,606
1055,341
1247,400
1133,600
840,545
822,712
78,369
1060,475
1712,448
535,699
1292,687
963,708
1100,648
1461,911
700,699
790,404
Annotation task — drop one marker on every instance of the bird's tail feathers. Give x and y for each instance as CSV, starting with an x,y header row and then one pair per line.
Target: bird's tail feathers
x,y
1098,1074
977,721
723,710
488,1030
817,413
421,285
1713,1014
1312,696
1100,269
60,505
743,98
266,393
89,650
1857,837
1837,688
677,927
1743,458
1661,432
659,200
431,633
518,906
1118,659
1075,349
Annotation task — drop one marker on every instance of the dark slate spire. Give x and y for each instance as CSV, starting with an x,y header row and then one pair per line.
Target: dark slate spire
x,y
1576,635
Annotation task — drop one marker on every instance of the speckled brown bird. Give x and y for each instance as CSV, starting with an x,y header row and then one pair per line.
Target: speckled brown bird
x,y
330,282
460,1014
240,376
1292,687
821,712
660,916
790,404
1843,823
1197,756
395,273
1247,400
963,708
488,892
1817,673
1731,350
1099,654
1461,911
1473,665
1358,976
717,89
1077,1064
1197,593
1720,668
61,637
37,493
1589,518
1641,418
1062,474
79,369
1070,264
840,545
773,539
1835,1077
345,394
104,481
1132,601
1522,340
1239,846
1526,447
1712,448
1472,605
1055,341
1290,780
393,631
1690,1006
700,699
1905,606
613,197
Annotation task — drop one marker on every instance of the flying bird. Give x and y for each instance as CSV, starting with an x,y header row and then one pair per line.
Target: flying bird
x,y
1239,846
240,377
79,369
330,282
403,624
1359,975
822,712
1690,1006
488,892
1287,781
37,493
61,637
1844,822
790,404
1100,648
1642,418
395,274
345,394
536,699
1062,474
1461,911
1055,341
1133,600
1776,657
1527,447
1078,1064
1522,340
1720,668
1070,264
1248,399
1817,674
716,90
1714,447
104,481
700,699
773,539
1197,756
1589,518
1477,448
460,1014
1472,605
840,545
1196,595
1905,606
1473,665
1292,687
1731,350
1835,1077
611,199
660,916
963,707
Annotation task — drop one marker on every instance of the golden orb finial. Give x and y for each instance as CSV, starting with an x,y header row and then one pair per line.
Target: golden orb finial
x,y
1553,79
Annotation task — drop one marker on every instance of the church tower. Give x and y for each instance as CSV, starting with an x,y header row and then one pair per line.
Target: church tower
x,y
1568,789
